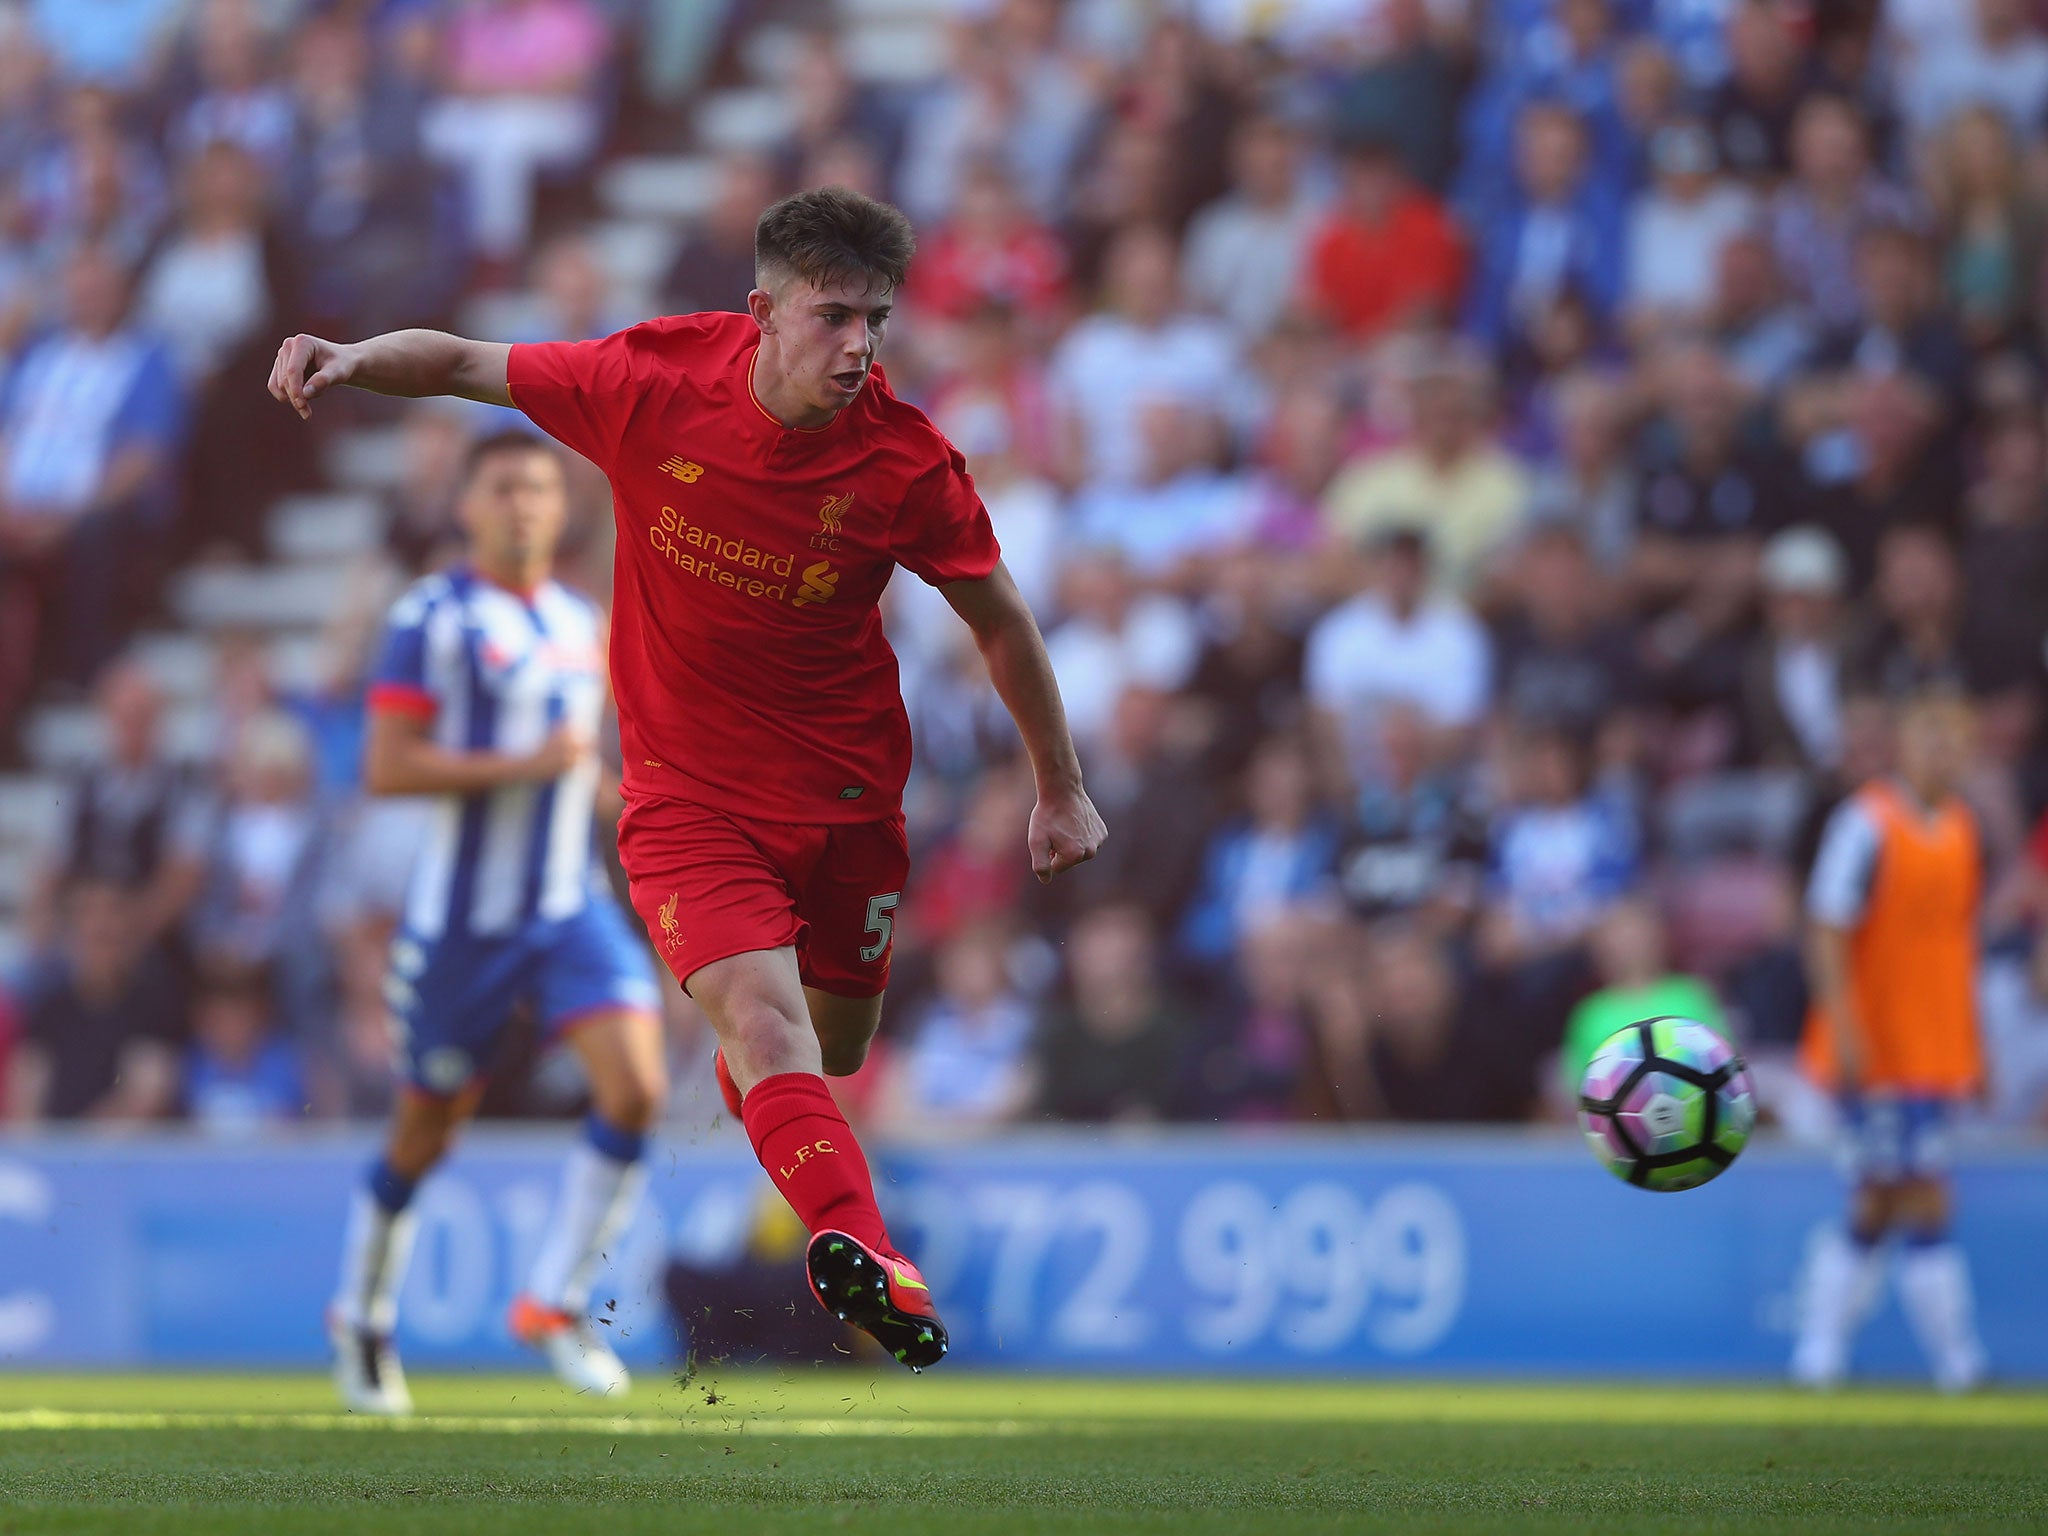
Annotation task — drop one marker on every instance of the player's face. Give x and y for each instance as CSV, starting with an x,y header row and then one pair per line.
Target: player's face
x,y
1935,739
513,509
827,338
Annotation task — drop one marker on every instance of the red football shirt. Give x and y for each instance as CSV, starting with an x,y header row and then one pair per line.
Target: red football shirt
x,y
748,657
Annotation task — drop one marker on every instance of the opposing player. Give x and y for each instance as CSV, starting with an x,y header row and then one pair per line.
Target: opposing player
x,y
488,695
766,484
1893,907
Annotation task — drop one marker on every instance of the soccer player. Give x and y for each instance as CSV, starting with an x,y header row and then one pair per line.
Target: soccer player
x,y
766,484
488,695
1893,906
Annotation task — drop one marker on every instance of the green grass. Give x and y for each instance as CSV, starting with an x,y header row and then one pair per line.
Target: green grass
x,y
758,1454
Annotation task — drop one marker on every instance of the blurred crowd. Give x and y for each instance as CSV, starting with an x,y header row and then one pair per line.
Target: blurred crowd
x,y
1483,470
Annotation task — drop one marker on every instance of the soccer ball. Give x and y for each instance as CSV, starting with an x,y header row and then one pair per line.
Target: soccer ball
x,y
1666,1104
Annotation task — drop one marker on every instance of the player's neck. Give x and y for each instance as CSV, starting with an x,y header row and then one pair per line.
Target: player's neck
x,y
776,395
521,580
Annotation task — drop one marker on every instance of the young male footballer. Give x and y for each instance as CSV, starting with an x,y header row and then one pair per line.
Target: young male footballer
x,y
487,696
766,484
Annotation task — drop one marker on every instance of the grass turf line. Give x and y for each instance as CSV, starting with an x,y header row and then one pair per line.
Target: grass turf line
x,y
770,1453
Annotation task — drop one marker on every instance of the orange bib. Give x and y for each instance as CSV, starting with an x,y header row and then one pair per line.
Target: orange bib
x,y
1913,957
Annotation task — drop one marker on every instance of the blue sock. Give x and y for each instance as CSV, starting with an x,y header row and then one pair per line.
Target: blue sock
x,y
620,1146
1925,1237
389,1188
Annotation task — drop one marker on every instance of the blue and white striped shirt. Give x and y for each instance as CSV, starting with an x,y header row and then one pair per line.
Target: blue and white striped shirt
x,y
498,671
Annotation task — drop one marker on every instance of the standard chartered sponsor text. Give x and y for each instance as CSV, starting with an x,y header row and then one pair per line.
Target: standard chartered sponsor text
x,y
724,562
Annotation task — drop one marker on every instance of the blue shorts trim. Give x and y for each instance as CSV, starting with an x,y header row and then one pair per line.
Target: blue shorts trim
x,y
1896,1136
452,996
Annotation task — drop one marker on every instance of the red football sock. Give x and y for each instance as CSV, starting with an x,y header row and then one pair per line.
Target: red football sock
x,y
727,1087
809,1151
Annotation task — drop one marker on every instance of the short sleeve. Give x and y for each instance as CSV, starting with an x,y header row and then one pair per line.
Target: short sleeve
x,y
581,393
398,680
1845,867
943,533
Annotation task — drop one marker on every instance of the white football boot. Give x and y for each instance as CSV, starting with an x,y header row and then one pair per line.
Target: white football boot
x,y
575,1349
366,1370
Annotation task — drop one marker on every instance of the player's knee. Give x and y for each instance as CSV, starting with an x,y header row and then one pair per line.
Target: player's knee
x,y
763,1034
1873,1211
635,1101
1921,1205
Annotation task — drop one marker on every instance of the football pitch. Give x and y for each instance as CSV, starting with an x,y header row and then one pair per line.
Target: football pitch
x,y
762,1453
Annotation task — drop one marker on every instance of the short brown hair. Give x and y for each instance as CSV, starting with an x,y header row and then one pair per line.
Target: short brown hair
x,y
830,235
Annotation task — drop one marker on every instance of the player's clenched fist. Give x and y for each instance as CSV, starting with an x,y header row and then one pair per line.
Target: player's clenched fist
x,y
307,368
1066,830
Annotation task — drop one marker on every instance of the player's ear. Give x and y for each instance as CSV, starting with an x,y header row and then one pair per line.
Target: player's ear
x,y
761,305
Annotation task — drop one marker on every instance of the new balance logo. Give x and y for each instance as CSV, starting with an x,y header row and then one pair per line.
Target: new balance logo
x,y
683,469
820,582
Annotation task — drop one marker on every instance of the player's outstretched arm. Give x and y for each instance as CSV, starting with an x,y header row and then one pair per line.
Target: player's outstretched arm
x,y
411,364
1065,828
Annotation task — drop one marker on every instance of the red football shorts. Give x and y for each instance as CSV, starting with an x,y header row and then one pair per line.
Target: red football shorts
x,y
709,885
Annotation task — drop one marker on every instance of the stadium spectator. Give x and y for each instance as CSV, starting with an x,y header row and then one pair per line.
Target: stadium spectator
x,y
1249,1049
1898,332
1413,1046
714,266
519,81
1590,484
101,1020
237,101
1416,844
1180,512
1557,230
1761,332
118,44
1395,644
1636,982
1406,93
1769,75
134,820
216,283
1992,56
1267,864
968,1064
1142,348
1245,250
1386,255
1678,230
1150,766
268,856
1445,470
357,207
1116,637
832,110
89,421
1110,1050
1560,657
1028,112
1833,196
991,252
1992,224
995,394
1564,850
92,183
1707,501
241,1077
1794,676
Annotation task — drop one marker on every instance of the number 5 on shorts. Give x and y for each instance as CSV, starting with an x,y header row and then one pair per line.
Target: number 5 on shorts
x,y
881,925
